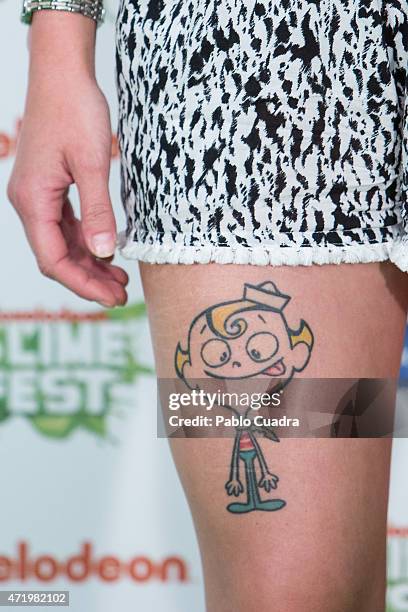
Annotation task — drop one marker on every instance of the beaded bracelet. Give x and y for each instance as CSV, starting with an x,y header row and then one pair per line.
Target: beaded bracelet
x,y
90,8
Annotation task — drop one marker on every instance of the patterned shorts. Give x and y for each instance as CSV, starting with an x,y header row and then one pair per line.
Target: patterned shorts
x,y
267,132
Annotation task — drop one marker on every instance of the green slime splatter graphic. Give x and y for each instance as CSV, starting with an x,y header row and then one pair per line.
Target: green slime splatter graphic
x,y
60,426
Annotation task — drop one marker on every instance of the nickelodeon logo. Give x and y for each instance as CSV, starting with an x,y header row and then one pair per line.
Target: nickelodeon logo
x,y
85,565
8,143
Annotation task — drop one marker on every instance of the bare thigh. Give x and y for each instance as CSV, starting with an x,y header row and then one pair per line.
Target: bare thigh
x,y
320,542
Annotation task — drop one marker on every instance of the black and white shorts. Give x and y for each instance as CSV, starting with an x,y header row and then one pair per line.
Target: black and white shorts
x,y
267,132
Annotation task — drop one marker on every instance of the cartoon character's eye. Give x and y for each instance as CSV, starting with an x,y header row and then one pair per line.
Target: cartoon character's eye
x,y
262,346
215,352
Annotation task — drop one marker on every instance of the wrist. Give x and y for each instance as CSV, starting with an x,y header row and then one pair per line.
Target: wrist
x,y
62,45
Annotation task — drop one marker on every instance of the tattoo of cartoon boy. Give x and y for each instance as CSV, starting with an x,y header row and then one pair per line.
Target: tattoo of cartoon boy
x,y
239,339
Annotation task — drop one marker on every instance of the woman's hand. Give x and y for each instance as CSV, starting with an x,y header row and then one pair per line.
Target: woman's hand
x,y
66,138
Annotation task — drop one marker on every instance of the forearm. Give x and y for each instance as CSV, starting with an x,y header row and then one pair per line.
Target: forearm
x,y
61,79
62,47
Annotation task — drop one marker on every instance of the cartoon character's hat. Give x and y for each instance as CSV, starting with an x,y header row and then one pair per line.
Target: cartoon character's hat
x,y
267,294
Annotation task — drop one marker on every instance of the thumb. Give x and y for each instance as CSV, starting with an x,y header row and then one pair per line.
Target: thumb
x,y
97,218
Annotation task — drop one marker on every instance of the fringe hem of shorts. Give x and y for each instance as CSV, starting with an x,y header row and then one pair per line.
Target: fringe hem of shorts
x,y
396,250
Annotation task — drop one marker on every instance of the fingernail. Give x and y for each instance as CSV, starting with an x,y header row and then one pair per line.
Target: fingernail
x,y
106,305
103,244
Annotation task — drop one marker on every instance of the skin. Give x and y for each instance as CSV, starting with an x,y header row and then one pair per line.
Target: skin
x,y
65,139
325,550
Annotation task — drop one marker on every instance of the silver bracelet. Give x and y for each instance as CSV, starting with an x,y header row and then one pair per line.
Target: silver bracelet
x,y
90,8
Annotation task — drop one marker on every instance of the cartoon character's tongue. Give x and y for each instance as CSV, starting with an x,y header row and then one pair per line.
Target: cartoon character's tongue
x,y
277,369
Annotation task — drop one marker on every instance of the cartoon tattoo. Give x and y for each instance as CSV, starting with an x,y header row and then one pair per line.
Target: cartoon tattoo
x,y
243,339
